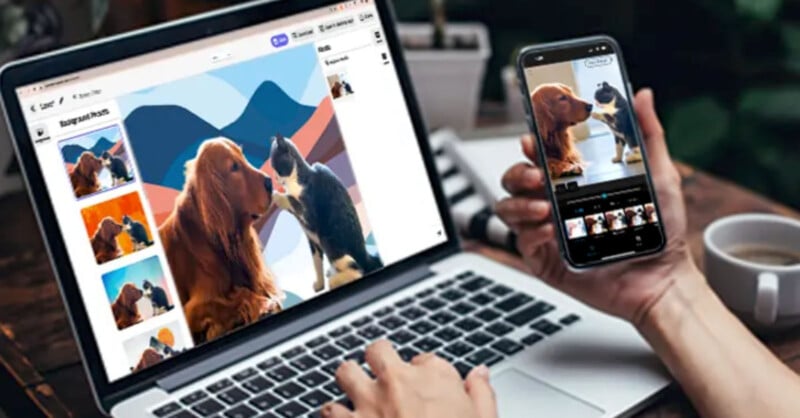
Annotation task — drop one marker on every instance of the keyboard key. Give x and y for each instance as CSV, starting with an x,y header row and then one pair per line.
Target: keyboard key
x,y
327,352
357,356
392,323
462,308
427,344
402,337
167,409
422,327
443,318
452,295
569,319
350,342
360,322
425,293
338,332
500,290
507,346
380,313
413,313
305,362
499,329
483,356
433,304
313,379
265,401
407,353
487,315
316,399
481,299
269,363
479,338
463,369
445,356
475,284
513,302
546,327
333,389
257,384
233,396
316,342
289,390
445,284
268,415
293,352
183,414
402,303
240,411
219,386
528,314
208,407
331,367
468,324
459,348
291,410
465,275
281,373
447,334
532,339
193,397
245,374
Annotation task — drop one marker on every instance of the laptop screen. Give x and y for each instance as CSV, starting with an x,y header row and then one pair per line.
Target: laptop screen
x,y
210,185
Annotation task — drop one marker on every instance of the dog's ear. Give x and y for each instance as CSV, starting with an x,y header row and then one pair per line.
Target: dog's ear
x,y
216,212
545,120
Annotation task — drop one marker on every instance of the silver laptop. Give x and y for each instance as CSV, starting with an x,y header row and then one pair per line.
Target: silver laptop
x,y
236,203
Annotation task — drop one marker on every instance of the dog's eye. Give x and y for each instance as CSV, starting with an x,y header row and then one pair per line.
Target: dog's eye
x,y
563,97
235,167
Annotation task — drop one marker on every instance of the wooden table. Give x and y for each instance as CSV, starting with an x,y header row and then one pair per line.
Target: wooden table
x,y
40,358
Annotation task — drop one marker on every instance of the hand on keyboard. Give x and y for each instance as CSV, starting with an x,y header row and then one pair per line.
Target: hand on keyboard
x,y
427,387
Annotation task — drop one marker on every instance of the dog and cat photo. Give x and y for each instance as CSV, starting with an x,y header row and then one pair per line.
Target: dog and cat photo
x,y
96,161
585,121
137,292
150,348
255,201
117,227
610,221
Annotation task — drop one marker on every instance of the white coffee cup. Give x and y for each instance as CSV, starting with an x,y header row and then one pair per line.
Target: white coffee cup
x,y
765,296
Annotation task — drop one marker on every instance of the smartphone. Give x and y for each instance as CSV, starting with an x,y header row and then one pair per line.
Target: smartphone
x,y
579,106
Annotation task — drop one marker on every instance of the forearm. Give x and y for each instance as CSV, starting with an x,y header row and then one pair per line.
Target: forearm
x,y
722,367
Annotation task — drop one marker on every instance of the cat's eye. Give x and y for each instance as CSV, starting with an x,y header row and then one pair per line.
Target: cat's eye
x,y
235,167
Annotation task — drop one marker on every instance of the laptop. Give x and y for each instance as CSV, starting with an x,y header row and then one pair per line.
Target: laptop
x,y
173,172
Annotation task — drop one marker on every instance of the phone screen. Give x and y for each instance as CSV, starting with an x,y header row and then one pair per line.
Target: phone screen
x,y
591,147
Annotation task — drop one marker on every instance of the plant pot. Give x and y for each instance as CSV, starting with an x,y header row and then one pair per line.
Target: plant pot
x,y
448,82
515,106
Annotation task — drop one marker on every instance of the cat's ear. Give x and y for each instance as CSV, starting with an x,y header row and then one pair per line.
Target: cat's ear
x,y
606,85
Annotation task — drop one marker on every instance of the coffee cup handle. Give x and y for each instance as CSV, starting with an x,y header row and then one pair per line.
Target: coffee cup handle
x,y
766,309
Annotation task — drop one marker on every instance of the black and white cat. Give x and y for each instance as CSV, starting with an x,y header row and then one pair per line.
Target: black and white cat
x,y
320,202
117,167
137,232
615,111
158,298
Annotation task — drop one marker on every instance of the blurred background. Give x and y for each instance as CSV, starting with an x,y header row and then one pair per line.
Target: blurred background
x,y
726,72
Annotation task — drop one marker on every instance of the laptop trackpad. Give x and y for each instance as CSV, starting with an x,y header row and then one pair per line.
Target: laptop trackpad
x,y
519,395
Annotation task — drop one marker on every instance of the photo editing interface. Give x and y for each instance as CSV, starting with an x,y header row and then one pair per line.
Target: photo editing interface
x,y
594,160
207,186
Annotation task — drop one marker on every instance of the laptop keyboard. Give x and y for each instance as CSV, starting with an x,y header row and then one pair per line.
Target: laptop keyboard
x,y
465,320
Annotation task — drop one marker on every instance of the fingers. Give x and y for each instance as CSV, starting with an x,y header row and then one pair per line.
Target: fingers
x,y
530,239
518,210
522,178
652,130
422,359
529,147
337,410
381,356
481,392
354,381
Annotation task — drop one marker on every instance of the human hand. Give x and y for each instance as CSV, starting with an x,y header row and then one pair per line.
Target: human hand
x,y
427,387
626,289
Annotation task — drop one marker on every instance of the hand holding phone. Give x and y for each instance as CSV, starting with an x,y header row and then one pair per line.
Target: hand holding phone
x,y
590,147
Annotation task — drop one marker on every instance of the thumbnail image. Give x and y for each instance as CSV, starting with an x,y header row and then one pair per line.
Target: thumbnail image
x,y
585,118
154,346
576,228
650,211
137,292
226,158
340,85
596,224
96,161
636,215
616,220
117,227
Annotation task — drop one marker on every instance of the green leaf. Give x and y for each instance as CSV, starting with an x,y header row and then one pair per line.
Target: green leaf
x,y
759,9
773,104
696,127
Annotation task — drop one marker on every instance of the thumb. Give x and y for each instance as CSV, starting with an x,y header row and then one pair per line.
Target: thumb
x,y
652,130
481,392
529,148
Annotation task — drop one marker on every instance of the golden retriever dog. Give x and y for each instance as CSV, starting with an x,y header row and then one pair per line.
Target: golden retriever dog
x,y
104,240
211,245
557,108
84,175
126,313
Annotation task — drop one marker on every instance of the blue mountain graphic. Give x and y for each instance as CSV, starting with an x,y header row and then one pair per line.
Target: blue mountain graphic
x,y
72,152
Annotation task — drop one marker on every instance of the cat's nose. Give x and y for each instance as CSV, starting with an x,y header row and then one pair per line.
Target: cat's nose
x,y
268,184
589,107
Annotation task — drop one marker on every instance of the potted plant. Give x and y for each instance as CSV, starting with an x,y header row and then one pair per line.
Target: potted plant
x,y
447,63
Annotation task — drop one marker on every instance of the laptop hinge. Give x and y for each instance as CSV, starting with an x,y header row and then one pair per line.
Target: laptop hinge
x,y
196,371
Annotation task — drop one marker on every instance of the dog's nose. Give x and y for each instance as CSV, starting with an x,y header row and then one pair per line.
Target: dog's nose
x,y
589,107
268,184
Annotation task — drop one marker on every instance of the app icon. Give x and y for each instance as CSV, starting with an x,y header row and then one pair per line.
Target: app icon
x,y
280,40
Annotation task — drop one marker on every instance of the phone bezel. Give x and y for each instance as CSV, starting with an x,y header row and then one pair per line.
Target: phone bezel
x,y
557,218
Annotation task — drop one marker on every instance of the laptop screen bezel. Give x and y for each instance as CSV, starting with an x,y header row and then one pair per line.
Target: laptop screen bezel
x,y
119,48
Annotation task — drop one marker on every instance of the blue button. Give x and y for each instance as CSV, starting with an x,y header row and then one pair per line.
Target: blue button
x,y
280,40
